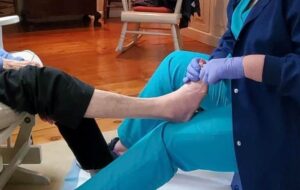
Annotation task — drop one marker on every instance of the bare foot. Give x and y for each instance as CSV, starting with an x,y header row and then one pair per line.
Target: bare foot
x,y
181,104
120,148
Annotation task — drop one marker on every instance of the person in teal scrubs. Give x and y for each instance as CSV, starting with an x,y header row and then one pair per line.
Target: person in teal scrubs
x,y
249,124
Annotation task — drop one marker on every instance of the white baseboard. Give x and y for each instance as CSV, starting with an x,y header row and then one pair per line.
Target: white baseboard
x,y
200,36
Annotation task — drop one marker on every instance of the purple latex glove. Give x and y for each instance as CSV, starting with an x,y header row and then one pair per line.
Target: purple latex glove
x,y
226,68
193,71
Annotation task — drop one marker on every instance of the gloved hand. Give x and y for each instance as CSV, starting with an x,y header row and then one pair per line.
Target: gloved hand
x,y
193,70
226,68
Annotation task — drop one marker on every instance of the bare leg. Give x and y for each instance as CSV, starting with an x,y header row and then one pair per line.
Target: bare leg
x,y
179,105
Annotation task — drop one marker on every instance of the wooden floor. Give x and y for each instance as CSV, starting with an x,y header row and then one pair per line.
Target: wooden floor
x,y
89,54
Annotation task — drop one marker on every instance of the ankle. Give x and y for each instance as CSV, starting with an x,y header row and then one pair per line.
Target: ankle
x,y
93,172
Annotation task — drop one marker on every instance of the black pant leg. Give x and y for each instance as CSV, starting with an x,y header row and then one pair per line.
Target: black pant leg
x,y
46,91
87,144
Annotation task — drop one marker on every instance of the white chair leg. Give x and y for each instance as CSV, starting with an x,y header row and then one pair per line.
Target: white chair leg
x,y
136,36
122,37
176,37
21,152
121,47
9,169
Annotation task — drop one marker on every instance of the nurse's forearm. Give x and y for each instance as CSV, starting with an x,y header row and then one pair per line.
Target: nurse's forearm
x,y
253,67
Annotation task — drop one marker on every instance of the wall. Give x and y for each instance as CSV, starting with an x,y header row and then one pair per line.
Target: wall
x,y
208,27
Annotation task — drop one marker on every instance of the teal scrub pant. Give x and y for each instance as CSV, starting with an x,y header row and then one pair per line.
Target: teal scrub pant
x,y
158,148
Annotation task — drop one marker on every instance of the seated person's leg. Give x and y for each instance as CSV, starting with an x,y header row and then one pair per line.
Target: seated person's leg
x,y
167,78
86,140
46,91
205,142
88,144
53,94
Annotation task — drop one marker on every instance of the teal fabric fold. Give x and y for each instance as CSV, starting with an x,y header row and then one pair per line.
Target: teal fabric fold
x,y
239,17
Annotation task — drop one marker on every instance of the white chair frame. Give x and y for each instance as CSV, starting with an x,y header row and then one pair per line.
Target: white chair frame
x,y
130,16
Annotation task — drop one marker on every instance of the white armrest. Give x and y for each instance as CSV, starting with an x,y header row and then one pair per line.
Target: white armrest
x,y
9,20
